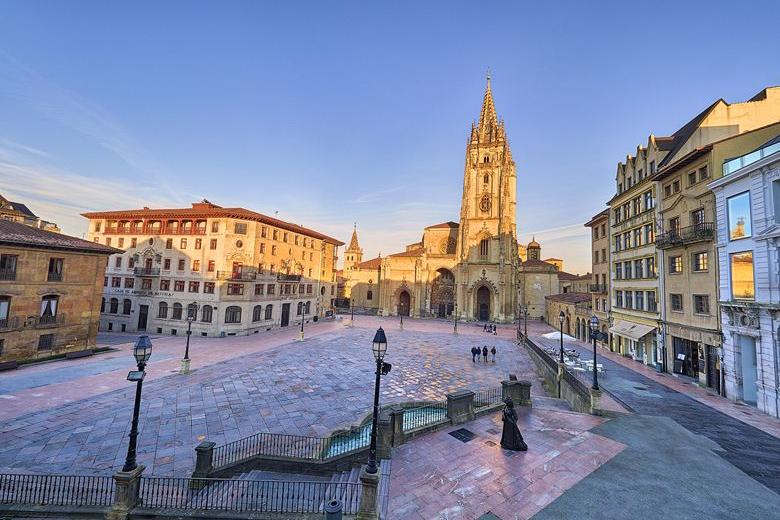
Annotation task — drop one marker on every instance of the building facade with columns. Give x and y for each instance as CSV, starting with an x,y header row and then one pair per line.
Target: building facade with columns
x,y
242,271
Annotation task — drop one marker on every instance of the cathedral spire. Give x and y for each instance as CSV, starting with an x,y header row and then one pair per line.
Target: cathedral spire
x,y
487,117
353,243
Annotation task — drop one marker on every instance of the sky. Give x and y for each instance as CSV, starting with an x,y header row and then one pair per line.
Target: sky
x,y
333,113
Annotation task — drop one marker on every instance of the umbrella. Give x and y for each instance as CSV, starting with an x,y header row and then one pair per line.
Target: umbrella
x,y
557,335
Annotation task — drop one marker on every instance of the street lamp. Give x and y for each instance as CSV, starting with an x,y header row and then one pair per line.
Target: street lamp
x,y
303,318
455,320
594,327
379,348
561,318
352,311
192,313
525,321
401,313
142,351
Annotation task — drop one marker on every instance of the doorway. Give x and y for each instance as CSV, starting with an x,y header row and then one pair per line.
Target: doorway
x,y
143,314
686,357
285,314
713,373
747,347
404,303
483,304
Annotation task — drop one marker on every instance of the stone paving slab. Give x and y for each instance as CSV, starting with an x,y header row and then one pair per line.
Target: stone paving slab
x,y
304,388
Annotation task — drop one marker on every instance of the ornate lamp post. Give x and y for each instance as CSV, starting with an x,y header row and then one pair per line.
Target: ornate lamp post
x,y
561,318
519,315
142,351
525,321
192,313
352,311
303,318
401,313
379,348
594,327
455,320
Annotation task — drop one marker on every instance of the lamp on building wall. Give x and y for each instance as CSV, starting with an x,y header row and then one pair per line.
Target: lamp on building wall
x,y
142,351
379,349
561,318
594,327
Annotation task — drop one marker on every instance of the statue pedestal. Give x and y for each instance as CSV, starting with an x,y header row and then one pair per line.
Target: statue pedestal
x,y
184,367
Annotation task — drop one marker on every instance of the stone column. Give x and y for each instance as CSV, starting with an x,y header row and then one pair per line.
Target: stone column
x,y
460,406
204,459
519,391
384,435
561,370
368,496
126,496
397,424
595,398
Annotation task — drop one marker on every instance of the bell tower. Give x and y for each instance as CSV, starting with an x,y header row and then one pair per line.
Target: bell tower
x,y
353,254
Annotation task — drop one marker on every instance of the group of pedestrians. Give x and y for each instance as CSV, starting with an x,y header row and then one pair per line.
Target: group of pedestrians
x,y
490,328
476,351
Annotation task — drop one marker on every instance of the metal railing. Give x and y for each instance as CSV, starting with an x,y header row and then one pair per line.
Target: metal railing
x,y
686,235
425,415
245,274
50,321
270,444
53,276
598,288
263,496
487,397
146,271
58,490
9,323
288,277
8,274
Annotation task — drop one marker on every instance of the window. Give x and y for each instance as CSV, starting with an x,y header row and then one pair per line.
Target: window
x,y
629,300
8,267
211,266
603,230
650,267
276,234
641,174
603,255
269,311
738,208
97,227
618,243
300,308
595,233
674,225
675,302
692,178
675,264
639,300
652,167
207,313
208,287
165,285
130,262
264,232
177,311
49,307
5,304
55,270
483,248
618,298
180,266
627,240
676,186
649,202
108,241
178,285
213,243
127,306
637,205
627,270
118,262
595,257
649,236
169,243
183,243
697,217
116,281
129,283
235,289
700,261
2,317
45,342
113,306
193,287
233,314
239,228
146,284
638,269
742,283
257,313
651,305
262,248
704,173
259,289
271,289
637,237
701,304
198,243
307,309
167,264
618,271
273,252
196,265
369,294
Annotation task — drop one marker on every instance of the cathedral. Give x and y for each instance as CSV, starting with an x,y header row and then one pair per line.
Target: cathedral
x,y
471,269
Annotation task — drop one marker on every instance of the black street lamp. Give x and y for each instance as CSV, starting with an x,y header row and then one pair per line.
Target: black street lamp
x,y
192,314
379,348
142,351
525,321
401,313
303,318
455,320
352,311
561,318
594,327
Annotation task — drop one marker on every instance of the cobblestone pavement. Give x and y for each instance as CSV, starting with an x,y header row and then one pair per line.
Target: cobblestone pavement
x,y
749,448
253,384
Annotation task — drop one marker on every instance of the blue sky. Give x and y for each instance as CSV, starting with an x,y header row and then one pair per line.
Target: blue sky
x,y
335,112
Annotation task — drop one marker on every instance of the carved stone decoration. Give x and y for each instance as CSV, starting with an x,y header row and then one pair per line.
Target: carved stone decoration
x,y
484,203
746,316
447,246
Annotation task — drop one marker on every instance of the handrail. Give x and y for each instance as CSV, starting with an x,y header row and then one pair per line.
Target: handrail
x,y
58,490
487,397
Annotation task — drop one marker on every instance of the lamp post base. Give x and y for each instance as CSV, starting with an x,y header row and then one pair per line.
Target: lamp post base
x,y
300,336
184,368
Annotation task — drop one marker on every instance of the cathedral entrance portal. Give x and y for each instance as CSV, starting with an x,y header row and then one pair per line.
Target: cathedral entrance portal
x,y
483,304
443,294
403,303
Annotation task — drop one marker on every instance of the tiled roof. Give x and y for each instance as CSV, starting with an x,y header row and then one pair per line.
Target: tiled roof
x,y
563,275
680,137
21,208
15,234
538,263
449,224
569,297
208,210
414,252
374,263
598,217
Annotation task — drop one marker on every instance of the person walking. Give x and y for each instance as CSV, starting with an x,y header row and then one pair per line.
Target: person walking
x,y
474,351
485,353
484,327
493,352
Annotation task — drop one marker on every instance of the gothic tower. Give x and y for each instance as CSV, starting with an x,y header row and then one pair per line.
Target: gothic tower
x,y
353,254
487,245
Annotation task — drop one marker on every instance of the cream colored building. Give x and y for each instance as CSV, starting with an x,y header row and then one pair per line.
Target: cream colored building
x,y
599,284
246,272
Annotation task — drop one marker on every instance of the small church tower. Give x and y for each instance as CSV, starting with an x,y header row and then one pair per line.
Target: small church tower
x,y
353,254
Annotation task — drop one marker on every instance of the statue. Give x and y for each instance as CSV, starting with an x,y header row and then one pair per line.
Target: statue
x,y
511,438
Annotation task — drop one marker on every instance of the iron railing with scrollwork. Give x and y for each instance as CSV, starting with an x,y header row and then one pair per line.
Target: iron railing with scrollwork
x,y
686,235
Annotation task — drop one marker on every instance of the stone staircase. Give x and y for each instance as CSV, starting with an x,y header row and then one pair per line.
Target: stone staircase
x,y
346,494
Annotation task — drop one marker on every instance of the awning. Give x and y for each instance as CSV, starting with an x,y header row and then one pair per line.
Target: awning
x,y
630,330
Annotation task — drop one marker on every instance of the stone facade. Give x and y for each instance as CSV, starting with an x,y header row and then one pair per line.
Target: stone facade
x,y
576,310
50,287
599,284
747,207
246,272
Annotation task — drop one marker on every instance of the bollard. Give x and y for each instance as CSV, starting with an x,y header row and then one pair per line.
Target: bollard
x,y
333,510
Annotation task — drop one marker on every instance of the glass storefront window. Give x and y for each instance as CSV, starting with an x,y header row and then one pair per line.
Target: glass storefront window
x,y
739,216
742,283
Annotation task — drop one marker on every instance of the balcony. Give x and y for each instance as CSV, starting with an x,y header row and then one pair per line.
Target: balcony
x,y
288,277
146,271
597,288
245,274
8,274
9,323
54,277
49,321
687,235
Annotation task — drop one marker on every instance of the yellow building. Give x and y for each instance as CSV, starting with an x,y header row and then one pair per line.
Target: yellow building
x,y
599,283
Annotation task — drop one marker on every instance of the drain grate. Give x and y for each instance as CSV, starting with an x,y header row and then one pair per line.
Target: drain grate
x,y
463,435
493,431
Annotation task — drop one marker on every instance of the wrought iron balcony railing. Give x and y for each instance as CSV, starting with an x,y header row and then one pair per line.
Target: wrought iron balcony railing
x,y
146,271
686,235
9,323
8,274
245,274
598,288
282,277
49,321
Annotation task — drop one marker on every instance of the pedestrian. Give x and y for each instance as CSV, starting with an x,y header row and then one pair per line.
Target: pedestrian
x,y
484,328
474,351
494,330
485,353
493,351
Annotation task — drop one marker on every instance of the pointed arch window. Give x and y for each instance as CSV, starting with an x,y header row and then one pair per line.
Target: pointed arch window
x,y
486,179
484,247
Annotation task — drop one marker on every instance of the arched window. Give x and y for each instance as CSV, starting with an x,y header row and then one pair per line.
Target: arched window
x,y
369,295
192,310
269,309
257,313
483,247
177,308
308,307
300,308
233,314
486,179
102,305
206,313
126,306
162,310
113,306
486,159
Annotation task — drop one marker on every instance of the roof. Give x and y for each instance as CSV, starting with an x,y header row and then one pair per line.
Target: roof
x,y
374,263
563,275
538,263
353,243
569,297
414,252
449,224
681,136
16,234
21,208
206,209
597,218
